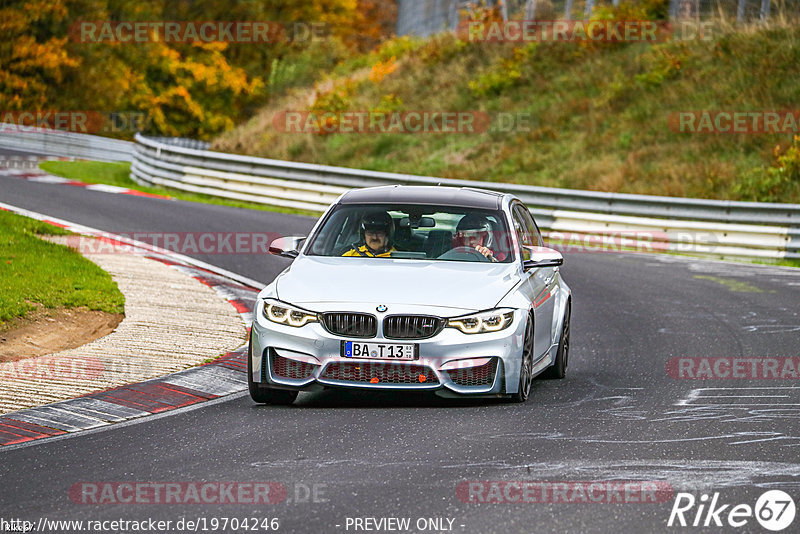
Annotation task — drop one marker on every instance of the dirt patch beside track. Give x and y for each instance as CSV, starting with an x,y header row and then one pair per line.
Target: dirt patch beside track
x,y
46,331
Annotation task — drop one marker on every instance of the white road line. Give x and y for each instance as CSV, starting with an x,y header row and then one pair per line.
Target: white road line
x,y
107,188
47,179
745,397
696,397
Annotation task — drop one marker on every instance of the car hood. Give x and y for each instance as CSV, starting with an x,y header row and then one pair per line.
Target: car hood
x,y
464,285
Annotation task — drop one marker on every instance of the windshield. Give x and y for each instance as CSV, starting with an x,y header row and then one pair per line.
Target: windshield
x,y
440,233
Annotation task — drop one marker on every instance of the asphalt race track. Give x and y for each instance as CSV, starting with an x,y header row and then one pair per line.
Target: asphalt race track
x,y
618,416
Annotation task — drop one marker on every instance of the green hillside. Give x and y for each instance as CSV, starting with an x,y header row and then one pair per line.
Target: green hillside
x,y
599,113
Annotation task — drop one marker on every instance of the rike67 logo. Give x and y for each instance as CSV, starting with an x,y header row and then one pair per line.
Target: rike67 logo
x,y
774,510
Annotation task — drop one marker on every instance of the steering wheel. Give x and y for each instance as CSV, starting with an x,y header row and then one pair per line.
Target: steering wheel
x,y
469,251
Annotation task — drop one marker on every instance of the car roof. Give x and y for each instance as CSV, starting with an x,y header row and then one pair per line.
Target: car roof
x,y
423,194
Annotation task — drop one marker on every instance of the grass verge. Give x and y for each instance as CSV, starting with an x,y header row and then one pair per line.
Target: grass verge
x,y
118,174
599,116
36,273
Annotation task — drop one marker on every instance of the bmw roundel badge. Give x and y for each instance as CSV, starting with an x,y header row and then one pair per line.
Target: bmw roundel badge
x,y
381,308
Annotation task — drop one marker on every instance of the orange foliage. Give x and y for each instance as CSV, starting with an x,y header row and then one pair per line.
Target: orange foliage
x,y
195,89
382,69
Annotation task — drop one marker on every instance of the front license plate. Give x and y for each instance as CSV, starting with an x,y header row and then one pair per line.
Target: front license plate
x,y
380,351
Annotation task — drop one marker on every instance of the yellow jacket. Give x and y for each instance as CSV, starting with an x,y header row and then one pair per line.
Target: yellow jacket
x,y
365,252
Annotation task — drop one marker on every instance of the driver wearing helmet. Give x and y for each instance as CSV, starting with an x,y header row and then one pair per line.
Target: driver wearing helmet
x,y
475,231
376,236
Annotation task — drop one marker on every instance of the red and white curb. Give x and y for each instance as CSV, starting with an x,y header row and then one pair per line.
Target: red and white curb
x,y
224,376
37,175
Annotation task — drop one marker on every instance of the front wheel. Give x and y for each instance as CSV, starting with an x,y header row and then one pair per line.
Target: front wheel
x,y
526,366
261,394
559,368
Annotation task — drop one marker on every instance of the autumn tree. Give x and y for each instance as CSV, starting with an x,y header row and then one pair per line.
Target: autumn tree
x,y
186,88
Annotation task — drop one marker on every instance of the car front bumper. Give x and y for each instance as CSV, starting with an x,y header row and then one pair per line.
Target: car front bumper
x,y
451,363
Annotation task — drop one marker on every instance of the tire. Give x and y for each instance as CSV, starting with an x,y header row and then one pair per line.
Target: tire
x,y
526,366
261,394
559,368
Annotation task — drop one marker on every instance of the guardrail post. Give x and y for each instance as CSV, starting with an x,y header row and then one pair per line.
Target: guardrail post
x,y
530,9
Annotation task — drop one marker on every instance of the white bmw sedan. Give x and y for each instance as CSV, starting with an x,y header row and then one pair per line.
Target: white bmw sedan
x,y
413,288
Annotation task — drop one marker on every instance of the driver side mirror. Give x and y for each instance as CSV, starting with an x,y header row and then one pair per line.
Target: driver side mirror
x,y
536,257
287,247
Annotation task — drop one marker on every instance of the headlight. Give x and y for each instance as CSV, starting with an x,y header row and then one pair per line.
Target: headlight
x,y
282,313
479,323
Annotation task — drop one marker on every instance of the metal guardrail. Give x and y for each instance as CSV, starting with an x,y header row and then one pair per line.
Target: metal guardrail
x,y
427,17
64,144
571,217
584,220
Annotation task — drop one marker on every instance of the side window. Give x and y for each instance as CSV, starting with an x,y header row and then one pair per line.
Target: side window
x,y
340,231
337,233
531,225
523,234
